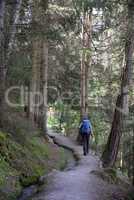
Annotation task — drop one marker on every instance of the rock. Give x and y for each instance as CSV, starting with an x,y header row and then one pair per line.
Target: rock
x,y
28,192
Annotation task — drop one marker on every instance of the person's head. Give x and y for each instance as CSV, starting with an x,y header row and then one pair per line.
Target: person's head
x,y
85,116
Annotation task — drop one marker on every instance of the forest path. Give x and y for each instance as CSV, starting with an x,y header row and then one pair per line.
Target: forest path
x,y
77,183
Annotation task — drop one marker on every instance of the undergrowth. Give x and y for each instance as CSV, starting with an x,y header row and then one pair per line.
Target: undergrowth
x,y
22,164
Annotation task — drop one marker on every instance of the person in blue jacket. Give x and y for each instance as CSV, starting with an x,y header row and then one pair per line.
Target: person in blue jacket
x,y
86,131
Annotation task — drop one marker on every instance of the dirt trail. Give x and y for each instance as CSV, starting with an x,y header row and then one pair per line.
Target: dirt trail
x,y
77,183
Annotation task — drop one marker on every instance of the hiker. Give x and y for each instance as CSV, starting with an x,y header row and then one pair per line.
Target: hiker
x,y
86,131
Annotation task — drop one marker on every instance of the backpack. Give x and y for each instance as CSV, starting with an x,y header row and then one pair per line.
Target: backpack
x,y
86,127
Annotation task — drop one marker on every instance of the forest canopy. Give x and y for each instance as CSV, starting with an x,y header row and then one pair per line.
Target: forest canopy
x,y
60,60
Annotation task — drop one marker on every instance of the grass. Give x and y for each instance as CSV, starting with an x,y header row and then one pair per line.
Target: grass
x,y
110,175
21,164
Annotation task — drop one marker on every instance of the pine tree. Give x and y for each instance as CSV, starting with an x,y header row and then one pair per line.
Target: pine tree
x,y
111,151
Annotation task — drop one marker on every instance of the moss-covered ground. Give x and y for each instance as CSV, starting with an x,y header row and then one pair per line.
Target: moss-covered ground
x,y
22,163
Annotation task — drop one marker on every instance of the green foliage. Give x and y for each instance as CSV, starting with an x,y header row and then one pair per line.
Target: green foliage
x,y
109,175
22,165
3,137
63,159
130,195
20,72
37,147
9,176
61,27
5,171
101,130
85,5
64,117
27,180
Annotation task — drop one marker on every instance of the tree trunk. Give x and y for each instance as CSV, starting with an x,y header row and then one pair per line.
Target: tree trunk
x,y
85,60
111,150
27,101
85,63
6,48
2,13
2,58
12,33
40,67
122,105
43,87
36,60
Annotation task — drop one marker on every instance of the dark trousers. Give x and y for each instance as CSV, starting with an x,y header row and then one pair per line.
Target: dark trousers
x,y
85,141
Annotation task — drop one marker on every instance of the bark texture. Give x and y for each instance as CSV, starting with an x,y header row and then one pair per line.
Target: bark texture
x,y
85,60
86,35
6,46
43,87
2,56
40,68
109,156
